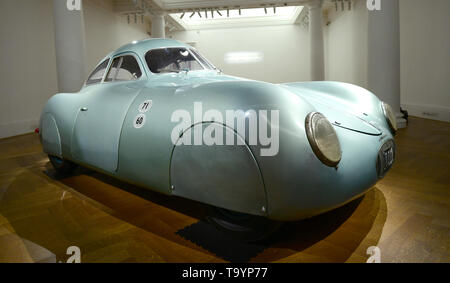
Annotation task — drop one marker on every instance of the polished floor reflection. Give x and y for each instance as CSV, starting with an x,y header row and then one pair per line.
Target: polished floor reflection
x,y
407,214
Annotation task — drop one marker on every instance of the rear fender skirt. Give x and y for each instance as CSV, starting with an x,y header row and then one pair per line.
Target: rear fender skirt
x,y
225,176
51,140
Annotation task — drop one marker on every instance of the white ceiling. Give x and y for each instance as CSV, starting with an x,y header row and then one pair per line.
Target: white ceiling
x,y
173,6
232,18
170,5
174,9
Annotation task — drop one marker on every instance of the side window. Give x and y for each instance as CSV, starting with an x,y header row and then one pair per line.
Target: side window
x,y
124,68
113,69
97,74
129,69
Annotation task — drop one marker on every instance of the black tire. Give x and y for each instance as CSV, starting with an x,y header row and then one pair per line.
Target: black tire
x,y
61,165
243,227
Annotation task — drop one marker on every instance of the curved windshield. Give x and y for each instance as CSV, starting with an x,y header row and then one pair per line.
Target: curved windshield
x,y
174,60
203,60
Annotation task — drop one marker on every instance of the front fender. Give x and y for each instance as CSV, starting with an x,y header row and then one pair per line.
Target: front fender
x,y
344,97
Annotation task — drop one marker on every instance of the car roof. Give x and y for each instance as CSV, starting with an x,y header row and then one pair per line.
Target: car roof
x,y
142,46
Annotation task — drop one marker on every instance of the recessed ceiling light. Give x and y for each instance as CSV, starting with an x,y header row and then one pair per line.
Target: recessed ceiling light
x,y
242,13
239,17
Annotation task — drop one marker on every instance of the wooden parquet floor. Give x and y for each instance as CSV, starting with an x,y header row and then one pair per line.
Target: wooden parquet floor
x,y
407,214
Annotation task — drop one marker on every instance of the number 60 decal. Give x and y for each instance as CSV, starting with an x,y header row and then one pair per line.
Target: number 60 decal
x,y
139,121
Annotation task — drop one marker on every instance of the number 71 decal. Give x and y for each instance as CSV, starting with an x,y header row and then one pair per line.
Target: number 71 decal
x,y
139,120
145,106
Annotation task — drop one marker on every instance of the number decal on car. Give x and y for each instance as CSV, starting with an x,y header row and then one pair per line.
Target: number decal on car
x,y
139,121
145,106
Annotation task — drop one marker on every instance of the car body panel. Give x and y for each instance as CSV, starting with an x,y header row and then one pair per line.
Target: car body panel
x,y
195,175
289,185
98,125
342,100
51,140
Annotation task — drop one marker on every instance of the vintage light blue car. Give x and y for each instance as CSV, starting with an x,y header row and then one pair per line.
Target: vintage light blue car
x,y
302,149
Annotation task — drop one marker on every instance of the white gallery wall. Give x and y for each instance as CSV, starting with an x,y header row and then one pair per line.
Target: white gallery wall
x,y
346,45
284,50
424,53
425,58
106,31
28,63
424,40
28,74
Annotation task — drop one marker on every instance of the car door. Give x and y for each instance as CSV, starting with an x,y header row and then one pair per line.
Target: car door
x,y
97,129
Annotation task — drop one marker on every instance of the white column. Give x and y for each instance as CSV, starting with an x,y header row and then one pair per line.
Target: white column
x,y
158,25
69,45
316,41
384,55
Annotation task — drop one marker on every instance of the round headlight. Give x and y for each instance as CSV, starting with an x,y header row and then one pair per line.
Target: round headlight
x,y
323,139
390,116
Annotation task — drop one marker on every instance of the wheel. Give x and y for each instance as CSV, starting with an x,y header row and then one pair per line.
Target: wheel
x,y
242,226
62,165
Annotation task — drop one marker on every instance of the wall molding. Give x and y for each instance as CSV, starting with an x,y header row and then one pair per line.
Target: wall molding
x,y
16,128
433,112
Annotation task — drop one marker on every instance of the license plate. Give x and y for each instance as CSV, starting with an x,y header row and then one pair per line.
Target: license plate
x,y
388,157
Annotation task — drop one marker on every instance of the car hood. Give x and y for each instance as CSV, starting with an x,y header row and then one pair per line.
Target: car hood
x,y
340,108
190,79
337,101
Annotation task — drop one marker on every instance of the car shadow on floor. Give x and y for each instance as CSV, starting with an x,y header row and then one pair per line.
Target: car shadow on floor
x,y
34,206
332,237
340,235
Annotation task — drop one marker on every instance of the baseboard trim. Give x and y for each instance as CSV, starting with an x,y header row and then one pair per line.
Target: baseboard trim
x,y
428,111
18,128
